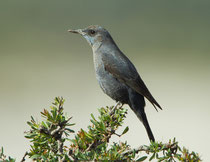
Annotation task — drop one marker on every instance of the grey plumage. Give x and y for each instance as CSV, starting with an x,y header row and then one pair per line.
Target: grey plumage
x,y
116,74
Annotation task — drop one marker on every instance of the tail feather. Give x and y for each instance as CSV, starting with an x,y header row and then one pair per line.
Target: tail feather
x,y
153,101
137,104
144,120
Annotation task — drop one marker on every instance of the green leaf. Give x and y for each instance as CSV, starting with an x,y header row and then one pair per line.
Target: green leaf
x,y
44,158
36,156
72,140
125,130
70,130
94,122
102,126
32,119
157,156
31,135
101,145
70,124
29,123
44,142
152,157
88,135
2,151
33,126
54,113
44,124
92,116
142,158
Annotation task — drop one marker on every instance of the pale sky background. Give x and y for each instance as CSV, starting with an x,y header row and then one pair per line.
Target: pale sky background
x,y
168,41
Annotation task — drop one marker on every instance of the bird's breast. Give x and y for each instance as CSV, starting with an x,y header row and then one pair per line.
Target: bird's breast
x,y
109,84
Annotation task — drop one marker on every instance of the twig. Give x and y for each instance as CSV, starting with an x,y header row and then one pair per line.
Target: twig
x,y
136,150
173,147
115,107
24,157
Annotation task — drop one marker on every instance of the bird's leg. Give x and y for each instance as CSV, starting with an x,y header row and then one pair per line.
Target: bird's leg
x,y
121,105
118,103
113,109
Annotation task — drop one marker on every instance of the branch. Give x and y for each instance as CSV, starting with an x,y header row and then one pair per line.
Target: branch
x,y
24,157
148,149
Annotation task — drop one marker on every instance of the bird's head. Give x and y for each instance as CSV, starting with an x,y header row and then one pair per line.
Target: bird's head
x,y
94,35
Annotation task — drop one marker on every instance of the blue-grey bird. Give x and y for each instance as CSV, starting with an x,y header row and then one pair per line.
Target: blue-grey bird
x,y
116,74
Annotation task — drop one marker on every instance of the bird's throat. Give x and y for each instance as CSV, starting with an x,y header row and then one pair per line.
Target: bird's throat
x,y
96,46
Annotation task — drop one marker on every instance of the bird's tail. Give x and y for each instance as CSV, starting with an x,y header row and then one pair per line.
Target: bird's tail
x,y
143,118
137,104
146,125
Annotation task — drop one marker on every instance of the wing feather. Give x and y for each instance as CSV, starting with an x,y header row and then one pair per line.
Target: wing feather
x,y
126,73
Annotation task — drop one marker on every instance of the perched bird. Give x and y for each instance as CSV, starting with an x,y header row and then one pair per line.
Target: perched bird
x,y
116,74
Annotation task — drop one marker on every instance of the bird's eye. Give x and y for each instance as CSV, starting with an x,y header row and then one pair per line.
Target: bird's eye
x,y
92,32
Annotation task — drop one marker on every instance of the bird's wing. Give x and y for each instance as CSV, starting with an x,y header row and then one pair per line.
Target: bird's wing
x,y
122,69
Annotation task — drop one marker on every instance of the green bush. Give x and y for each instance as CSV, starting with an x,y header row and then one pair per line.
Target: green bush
x,y
49,137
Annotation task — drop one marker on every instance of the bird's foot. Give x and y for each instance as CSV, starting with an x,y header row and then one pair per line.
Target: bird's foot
x,y
115,107
118,103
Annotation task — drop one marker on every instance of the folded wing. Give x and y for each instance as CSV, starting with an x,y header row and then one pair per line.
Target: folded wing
x,y
126,73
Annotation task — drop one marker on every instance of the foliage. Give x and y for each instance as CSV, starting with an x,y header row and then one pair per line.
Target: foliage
x,y
48,137
4,158
49,140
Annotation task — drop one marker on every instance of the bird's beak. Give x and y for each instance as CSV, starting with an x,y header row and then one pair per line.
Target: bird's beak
x,y
78,31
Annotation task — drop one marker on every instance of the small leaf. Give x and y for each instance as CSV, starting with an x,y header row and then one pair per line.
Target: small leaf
x,y
44,124
93,117
152,157
44,158
44,142
102,126
30,135
70,124
70,130
32,119
2,151
125,130
36,156
72,140
101,145
95,123
142,158
88,135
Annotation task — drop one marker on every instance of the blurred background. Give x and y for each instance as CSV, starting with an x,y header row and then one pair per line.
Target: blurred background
x,y
168,41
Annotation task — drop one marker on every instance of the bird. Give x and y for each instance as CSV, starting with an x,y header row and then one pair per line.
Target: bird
x,y
116,74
